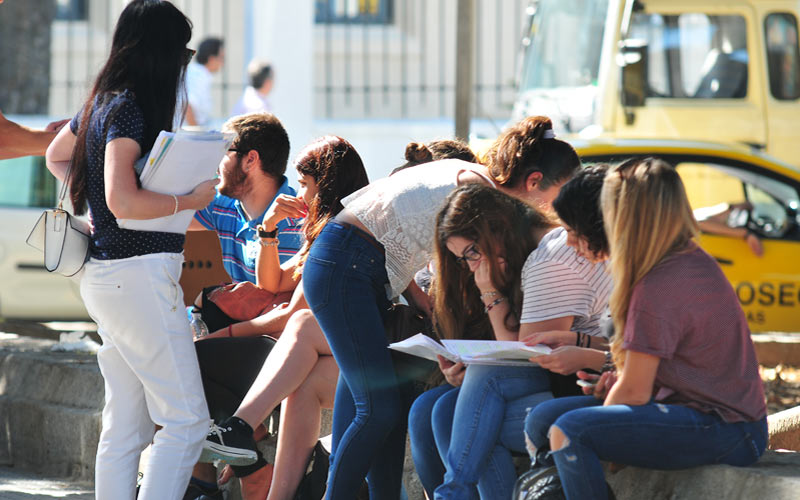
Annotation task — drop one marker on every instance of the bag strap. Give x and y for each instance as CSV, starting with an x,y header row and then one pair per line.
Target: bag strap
x,y
64,186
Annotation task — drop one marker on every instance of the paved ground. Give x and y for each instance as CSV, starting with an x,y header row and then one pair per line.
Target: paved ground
x,y
19,485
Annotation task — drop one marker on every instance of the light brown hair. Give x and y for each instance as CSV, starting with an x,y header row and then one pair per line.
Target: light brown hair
x,y
647,217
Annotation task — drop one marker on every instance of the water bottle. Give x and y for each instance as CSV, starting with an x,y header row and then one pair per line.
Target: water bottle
x,y
199,328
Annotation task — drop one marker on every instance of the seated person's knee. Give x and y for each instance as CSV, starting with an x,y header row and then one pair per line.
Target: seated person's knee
x,y
558,439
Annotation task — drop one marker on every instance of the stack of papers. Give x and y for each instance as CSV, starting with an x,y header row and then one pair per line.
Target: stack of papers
x,y
177,163
486,352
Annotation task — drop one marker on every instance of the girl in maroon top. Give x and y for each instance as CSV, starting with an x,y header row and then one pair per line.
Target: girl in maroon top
x,y
687,390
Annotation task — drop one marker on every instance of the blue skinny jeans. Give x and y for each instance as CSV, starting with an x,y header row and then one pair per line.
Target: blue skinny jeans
x,y
345,282
434,408
654,435
486,426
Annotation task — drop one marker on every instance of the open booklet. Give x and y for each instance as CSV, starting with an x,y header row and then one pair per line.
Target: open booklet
x,y
177,163
486,352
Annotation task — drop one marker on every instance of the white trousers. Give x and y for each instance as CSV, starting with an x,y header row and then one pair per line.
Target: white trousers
x,y
151,376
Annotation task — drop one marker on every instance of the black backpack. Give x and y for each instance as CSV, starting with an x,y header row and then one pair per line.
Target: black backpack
x,y
314,482
542,481
312,486
544,484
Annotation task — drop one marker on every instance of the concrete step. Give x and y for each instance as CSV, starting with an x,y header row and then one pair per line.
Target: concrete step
x,y
50,407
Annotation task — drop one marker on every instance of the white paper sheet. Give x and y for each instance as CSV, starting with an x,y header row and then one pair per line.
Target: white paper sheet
x,y
177,163
492,352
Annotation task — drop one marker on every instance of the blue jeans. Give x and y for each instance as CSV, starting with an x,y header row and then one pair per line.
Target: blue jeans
x,y
487,425
655,435
433,408
344,281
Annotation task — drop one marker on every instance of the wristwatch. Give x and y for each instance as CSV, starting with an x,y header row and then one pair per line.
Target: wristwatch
x,y
263,233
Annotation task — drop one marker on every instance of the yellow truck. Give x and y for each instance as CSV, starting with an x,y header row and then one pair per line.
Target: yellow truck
x,y
712,86
715,70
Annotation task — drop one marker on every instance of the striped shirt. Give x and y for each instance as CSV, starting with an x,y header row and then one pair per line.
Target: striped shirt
x,y
557,282
238,237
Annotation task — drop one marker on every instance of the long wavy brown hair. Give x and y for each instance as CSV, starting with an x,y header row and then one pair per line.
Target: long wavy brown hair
x,y
336,167
501,227
647,217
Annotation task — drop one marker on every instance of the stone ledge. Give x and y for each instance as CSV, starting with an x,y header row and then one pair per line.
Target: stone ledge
x,y
784,430
50,408
66,379
48,439
775,476
773,349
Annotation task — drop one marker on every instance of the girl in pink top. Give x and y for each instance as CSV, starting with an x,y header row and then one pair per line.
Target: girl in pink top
x,y
687,390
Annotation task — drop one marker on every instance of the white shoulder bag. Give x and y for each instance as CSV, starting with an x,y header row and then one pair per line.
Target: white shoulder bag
x,y
63,238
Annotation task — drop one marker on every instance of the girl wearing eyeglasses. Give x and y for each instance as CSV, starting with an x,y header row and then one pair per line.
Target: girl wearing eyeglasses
x,y
687,391
504,267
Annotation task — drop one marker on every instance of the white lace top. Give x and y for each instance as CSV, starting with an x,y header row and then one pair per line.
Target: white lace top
x,y
400,211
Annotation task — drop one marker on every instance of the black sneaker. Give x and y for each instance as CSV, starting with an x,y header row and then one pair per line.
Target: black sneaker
x,y
230,442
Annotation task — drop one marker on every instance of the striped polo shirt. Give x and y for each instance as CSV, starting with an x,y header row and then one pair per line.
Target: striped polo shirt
x,y
557,282
238,237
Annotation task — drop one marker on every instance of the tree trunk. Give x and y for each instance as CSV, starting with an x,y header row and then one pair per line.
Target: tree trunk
x,y
25,55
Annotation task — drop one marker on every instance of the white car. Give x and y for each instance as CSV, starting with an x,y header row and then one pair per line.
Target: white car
x,y
27,290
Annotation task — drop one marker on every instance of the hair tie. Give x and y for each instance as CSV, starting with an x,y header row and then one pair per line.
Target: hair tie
x,y
549,134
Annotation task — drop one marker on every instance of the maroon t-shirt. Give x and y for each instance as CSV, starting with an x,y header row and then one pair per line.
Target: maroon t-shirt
x,y
685,312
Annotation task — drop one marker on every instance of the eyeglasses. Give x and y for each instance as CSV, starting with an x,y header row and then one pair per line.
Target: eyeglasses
x,y
234,150
471,254
188,54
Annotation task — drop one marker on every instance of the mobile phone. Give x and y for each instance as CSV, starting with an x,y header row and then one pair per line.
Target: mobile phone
x,y
586,383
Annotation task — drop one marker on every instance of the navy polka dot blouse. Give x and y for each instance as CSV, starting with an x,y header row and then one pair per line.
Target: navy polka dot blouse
x,y
114,116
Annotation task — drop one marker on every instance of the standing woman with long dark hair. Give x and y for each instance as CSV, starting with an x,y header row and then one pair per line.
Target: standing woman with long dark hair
x,y
130,284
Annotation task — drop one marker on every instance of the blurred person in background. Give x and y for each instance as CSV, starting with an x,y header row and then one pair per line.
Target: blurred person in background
x,y
255,96
209,60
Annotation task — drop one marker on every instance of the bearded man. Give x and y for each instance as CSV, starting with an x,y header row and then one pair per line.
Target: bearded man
x,y
251,177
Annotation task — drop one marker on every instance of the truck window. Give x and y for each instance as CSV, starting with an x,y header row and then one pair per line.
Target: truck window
x,y
566,39
708,185
783,57
26,182
694,55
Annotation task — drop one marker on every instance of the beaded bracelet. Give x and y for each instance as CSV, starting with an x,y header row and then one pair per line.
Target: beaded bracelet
x,y
491,305
268,242
490,293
